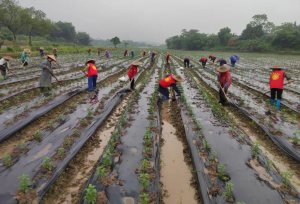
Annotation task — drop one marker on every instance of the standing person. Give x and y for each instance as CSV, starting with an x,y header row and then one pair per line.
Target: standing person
x,y
89,51
153,56
132,54
212,58
222,61
144,53
125,53
106,53
41,51
24,57
186,62
203,60
54,52
237,57
276,84
99,51
92,74
168,57
132,72
233,61
46,75
224,80
170,80
4,64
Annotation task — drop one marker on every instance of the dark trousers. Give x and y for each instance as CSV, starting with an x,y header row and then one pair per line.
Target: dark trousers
x,y
163,91
186,63
222,96
213,59
25,64
203,64
167,61
92,81
3,69
132,83
55,55
278,91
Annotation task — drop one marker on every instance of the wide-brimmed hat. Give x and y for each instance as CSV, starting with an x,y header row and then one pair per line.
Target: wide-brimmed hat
x,y
276,67
41,48
90,60
27,51
178,78
223,69
154,52
136,63
7,58
52,57
54,49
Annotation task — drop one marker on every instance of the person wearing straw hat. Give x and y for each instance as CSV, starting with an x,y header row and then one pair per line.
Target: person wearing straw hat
x,y
276,84
144,53
168,57
54,52
4,64
203,60
170,80
132,72
46,75
41,51
233,60
92,74
186,62
106,53
24,57
125,53
153,56
212,58
222,61
224,80
237,57
132,54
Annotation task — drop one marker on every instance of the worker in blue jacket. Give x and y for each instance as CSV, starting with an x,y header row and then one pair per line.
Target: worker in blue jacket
x,y
233,61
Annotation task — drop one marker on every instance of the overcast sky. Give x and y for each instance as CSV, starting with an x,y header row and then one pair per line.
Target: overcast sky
x,y
156,20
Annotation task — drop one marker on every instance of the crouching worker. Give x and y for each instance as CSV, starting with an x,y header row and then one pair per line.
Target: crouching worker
x,y
132,72
170,80
203,60
47,72
224,80
233,61
212,59
92,74
4,64
276,84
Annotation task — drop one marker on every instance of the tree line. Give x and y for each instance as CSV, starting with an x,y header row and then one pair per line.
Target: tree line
x,y
31,22
116,40
259,35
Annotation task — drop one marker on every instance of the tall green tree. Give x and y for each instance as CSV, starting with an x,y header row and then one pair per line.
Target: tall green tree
x,y
12,16
224,35
83,38
115,41
68,31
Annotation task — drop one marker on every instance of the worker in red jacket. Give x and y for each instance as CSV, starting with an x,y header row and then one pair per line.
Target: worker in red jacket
x,y
170,80
89,51
92,74
98,51
132,71
168,57
125,53
277,83
224,80
144,53
212,58
203,60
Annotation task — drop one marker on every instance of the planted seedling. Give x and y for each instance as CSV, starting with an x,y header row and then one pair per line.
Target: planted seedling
x,y
22,145
60,117
144,198
6,159
228,193
107,161
145,165
269,164
286,178
24,183
90,195
213,155
295,138
17,99
6,104
37,135
221,172
36,103
47,163
61,151
144,178
255,150
206,144
100,172
68,141
51,124
83,121
76,132
241,203
26,106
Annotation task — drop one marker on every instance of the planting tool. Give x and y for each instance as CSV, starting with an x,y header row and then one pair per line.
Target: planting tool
x,y
53,75
25,60
84,73
130,83
11,72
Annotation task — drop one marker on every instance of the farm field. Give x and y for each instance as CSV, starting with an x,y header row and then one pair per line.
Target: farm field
x,y
131,146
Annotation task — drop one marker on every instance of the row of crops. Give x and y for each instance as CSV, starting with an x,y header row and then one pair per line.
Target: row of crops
x,y
65,148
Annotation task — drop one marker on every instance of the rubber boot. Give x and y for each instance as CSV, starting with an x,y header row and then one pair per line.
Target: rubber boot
x,y
278,104
272,102
166,98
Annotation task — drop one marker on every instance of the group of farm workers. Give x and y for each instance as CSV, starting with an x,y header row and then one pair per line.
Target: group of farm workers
x,y
98,52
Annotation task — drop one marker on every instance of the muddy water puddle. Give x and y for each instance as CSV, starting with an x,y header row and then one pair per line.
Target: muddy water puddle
x,y
175,174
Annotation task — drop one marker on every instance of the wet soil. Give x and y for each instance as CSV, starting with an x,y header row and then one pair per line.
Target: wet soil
x,y
175,172
31,197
